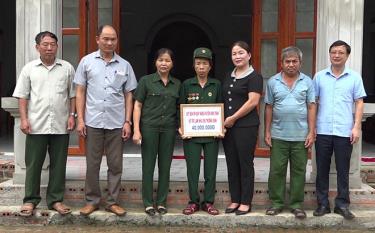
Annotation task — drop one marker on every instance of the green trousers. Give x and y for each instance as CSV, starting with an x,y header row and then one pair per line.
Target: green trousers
x,y
281,153
156,144
192,151
36,148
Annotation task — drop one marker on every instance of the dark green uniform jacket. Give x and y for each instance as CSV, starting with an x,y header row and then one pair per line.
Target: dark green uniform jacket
x,y
158,101
192,93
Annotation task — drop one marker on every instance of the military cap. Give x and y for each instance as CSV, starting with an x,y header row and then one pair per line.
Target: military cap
x,y
202,53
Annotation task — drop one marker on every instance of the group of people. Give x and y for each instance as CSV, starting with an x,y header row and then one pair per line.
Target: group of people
x,y
108,102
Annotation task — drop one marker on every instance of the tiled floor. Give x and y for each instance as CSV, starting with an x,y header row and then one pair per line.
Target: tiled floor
x,y
6,145
132,163
368,149
132,169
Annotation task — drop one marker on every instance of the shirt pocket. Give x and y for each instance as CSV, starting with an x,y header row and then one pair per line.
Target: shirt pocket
x,y
153,99
344,93
119,81
154,96
211,96
173,95
172,99
61,86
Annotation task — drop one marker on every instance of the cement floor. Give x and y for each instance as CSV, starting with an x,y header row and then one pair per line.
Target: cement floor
x,y
132,171
284,222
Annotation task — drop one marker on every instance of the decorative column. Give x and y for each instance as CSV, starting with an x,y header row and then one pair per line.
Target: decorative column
x,y
332,25
32,17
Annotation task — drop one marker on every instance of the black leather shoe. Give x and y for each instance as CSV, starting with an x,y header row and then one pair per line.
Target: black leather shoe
x,y
231,210
345,212
322,210
242,212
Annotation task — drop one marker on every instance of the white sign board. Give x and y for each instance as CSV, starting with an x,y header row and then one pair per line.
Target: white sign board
x,y
202,120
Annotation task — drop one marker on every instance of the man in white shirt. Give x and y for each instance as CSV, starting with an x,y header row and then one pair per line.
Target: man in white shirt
x,y
47,107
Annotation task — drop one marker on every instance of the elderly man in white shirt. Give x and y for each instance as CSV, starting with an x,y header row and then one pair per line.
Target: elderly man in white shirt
x,y
47,107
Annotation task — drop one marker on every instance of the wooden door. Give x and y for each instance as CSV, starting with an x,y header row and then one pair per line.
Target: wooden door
x,y
81,19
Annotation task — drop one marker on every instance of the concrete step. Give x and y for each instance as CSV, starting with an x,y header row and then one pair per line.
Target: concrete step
x,y
131,196
221,223
6,167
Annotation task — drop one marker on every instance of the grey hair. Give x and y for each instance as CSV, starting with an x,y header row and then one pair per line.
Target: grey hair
x,y
291,50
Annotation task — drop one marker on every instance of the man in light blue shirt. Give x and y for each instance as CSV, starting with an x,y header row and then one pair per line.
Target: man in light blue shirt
x,y
105,83
289,131
338,89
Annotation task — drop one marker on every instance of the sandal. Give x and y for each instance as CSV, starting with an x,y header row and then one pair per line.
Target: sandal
x,y
210,209
162,210
190,209
61,208
150,211
298,213
27,209
273,211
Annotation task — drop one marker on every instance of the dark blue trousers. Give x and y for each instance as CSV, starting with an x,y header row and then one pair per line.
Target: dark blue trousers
x,y
325,146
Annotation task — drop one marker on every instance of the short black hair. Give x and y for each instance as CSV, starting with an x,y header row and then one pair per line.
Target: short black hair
x,y
340,43
164,51
41,35
101,27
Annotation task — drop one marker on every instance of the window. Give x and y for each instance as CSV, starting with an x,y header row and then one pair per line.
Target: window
x,y
278,24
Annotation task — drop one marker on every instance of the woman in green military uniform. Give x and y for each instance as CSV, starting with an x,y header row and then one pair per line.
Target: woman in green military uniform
x,y
155,121
201,90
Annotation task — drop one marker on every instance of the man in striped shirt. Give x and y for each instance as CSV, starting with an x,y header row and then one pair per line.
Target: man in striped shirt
x,y
289,131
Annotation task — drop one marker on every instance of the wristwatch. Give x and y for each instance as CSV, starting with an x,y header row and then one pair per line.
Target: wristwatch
x,y
129,122
73,114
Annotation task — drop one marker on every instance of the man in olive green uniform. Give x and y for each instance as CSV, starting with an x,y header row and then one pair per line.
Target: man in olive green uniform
x,y
201,90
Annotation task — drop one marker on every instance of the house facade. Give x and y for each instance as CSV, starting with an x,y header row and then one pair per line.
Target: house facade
x,y
144,26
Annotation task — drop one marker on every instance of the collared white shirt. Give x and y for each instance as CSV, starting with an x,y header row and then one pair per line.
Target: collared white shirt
x,y
48,92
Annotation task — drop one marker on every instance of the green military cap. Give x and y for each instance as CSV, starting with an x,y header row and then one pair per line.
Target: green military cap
x,y
202,53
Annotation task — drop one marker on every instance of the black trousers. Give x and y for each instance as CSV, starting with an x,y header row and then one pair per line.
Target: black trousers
x,y
239,146
325,145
